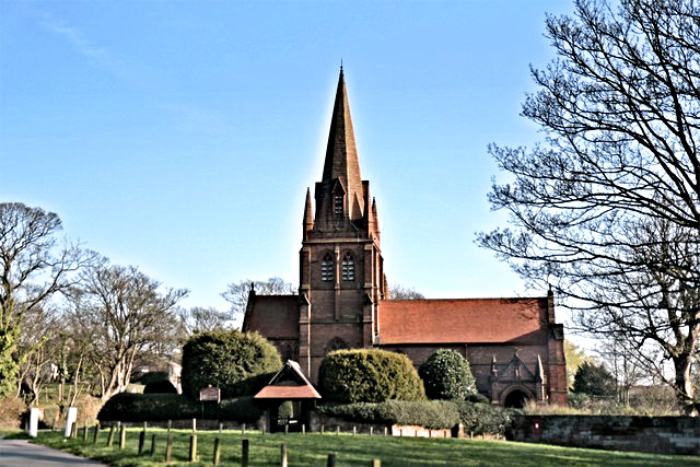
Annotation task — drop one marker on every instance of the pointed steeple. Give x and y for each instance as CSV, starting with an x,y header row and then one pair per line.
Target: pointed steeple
x,y
342,163
308,214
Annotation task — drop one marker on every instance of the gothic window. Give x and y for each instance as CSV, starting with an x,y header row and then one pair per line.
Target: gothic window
x,y
348,267
336,344
327,267
338,203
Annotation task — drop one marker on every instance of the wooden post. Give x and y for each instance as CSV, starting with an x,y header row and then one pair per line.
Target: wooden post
x,y
331,460
193,448
245,453
74,429
142,440
170,425
221,427
110,437
354,430
376,463
303,429
97,433
243,430
85,431
169,449
323,429
385,431
283,456
122,437
153,445
194,425
337,430
286,429
217,452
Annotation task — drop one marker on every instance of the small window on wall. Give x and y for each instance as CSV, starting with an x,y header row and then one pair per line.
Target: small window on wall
x,y
327,268
348,267
338,203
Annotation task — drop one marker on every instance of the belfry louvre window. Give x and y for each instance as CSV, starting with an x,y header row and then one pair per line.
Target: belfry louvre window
x,y
338,203
348,267
327,268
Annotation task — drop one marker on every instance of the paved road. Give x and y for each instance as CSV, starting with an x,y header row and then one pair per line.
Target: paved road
x,y
20,453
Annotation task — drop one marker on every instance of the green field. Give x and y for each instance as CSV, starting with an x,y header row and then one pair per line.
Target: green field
x,y
313,450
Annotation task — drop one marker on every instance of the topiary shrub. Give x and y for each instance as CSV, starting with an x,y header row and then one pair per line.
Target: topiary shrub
x,y
127,407
446,375
11,410
229,360
160,387
430,414
368,375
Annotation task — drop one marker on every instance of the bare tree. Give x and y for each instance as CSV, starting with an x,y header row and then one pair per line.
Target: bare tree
x,y
399,292
122,314
204,319
607,209
237,292
33,267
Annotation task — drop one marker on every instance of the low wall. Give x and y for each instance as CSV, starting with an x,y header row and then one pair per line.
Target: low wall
x,y
657,435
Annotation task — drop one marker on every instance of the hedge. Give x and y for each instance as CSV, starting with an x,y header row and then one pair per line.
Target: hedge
x,y
230,360
430,414
477,418
368,375
127,407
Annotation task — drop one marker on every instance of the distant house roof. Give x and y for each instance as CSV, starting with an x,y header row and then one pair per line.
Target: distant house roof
x,y
480,320
289,383
275,316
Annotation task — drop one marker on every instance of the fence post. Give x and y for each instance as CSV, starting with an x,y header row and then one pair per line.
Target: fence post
x,y
385,431
245,453
371,430
194,425
331,460
122,437
243,430
303,429
110,437
142,440
283,456
170,425
217,451
376,463
153,445
97,433
323,429
337,430
169,449
193,448
286,429
354,430
85,431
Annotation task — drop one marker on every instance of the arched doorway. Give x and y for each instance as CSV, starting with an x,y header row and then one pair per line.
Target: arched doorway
x,y
516,399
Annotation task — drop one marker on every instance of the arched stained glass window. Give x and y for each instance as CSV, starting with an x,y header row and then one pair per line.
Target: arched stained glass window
x,y
327,267
348,267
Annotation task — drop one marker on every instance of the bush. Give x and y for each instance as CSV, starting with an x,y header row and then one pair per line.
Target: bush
x,y
368,375
160,387
594,380
11,410
480,419
149,377
227,359
446,375
126,407
430,414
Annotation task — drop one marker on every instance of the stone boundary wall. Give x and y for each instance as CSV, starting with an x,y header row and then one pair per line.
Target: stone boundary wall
x,y
655,435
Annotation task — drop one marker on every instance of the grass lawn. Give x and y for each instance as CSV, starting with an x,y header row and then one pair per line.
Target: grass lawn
x,y
313,450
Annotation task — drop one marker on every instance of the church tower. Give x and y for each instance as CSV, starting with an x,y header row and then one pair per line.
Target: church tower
x,y
341,273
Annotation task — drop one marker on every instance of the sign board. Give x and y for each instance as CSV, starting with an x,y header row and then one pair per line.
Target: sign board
x,y
70,420
210,394
33,422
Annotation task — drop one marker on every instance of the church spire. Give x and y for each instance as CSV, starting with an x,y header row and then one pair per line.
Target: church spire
x,y
342,163
308,214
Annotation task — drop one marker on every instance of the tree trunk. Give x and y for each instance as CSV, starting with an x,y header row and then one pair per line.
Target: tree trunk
x,y
683,384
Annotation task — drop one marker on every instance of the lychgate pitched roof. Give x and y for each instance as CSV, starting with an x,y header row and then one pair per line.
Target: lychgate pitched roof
x,y
289,383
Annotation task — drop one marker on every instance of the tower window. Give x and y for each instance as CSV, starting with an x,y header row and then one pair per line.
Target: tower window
x,y
327,268
348,267
338,203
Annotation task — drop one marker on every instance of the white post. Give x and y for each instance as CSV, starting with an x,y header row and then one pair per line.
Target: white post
x,y
33,422
70,419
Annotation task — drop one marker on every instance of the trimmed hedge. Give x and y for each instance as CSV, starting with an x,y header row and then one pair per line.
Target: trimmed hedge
x,y
430,414
477,418
480,419
369,375
127,407
234,361
160,387
446,375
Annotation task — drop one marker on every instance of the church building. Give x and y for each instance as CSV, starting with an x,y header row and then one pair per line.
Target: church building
x,y
514,345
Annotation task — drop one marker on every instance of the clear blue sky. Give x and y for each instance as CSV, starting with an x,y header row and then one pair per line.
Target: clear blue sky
x,y
180,137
